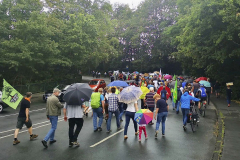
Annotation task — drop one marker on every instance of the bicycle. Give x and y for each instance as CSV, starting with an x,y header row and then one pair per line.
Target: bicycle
x,y
193,118
203,109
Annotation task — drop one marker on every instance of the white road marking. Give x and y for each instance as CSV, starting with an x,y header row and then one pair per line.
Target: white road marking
x,y
17,113
25,127
27,130
106,138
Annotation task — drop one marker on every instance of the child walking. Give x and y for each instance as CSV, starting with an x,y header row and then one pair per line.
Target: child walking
x,y
142,127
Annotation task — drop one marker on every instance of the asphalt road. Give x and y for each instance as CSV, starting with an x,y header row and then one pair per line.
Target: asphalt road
x,y
176,145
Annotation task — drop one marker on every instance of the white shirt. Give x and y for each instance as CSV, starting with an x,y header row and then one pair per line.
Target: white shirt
x,y
155,83
131,107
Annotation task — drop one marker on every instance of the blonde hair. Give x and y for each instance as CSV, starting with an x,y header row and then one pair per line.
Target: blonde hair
x,y
156,96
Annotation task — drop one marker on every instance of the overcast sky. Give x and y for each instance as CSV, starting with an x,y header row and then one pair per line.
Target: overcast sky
x,y
132,3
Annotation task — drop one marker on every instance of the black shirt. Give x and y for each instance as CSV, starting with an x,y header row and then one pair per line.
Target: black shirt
x,y
229,93
162,105
24,104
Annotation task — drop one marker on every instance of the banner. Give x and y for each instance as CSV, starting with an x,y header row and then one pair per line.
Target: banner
x,y
10,96
175,92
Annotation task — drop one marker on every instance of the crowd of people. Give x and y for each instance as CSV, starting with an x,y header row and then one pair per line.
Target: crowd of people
x,y
105,103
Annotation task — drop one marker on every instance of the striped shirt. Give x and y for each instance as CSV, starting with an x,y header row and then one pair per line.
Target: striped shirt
x,y
149,99
112,102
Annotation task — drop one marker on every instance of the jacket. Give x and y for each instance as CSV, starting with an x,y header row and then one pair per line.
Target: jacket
x,y
53,106
185,100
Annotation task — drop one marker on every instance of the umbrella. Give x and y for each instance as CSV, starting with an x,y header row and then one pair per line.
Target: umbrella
x,y
145,90
167,89
205,83
146,74
168,77
118,84
77,93
180,77
201,78
143,116
130,94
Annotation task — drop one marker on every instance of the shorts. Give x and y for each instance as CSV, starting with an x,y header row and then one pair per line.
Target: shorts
x,y
217,90
203,99
21,122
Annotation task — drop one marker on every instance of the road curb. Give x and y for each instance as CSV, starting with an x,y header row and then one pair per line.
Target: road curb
x,y
220,135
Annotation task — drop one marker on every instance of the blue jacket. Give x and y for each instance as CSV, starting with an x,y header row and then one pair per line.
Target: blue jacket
x,y
185,100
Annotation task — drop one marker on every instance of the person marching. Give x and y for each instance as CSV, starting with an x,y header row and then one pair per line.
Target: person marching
x,y
161,113
150,101
97,104
74,115
24,118
53,110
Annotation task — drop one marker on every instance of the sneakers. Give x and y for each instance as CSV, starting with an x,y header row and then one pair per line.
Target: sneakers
x,y
109,131
136,133
99,129
185,128
139,140
156,133
70,144
119,128
33,137
44,143
125,137
16,142
95,130
53,141
163,134
151,123
76,144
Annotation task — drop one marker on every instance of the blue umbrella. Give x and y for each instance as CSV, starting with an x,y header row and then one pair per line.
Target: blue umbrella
x,y
118,84
130,94
205,83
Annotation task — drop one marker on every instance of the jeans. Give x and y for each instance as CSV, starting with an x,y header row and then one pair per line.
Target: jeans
x,y
97,113
177,104
128,116
185,112
110,113
228,100
161,117
208,96
73,135
152,110
173,104
51,133
121,110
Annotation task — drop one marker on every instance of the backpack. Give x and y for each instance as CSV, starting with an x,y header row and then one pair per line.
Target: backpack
x,y
203,93
95,100
163,95
179,94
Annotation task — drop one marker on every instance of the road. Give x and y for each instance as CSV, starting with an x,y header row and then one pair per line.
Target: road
x,y
176,145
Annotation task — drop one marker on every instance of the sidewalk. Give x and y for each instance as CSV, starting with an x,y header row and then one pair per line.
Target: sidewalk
x,y
231,143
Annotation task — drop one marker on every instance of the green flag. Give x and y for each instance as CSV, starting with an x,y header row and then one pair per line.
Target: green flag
x,y
174,77
10,96
175,93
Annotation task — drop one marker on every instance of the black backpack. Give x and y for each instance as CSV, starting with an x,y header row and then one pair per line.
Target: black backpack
x,y
179,94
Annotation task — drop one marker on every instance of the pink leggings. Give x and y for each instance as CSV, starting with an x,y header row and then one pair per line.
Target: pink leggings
x,y
140,131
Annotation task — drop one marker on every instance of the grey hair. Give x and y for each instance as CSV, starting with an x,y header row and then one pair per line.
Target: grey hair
x,y
56,90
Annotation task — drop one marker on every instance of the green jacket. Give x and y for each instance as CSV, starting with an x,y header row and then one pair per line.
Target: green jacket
x,y
53,106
